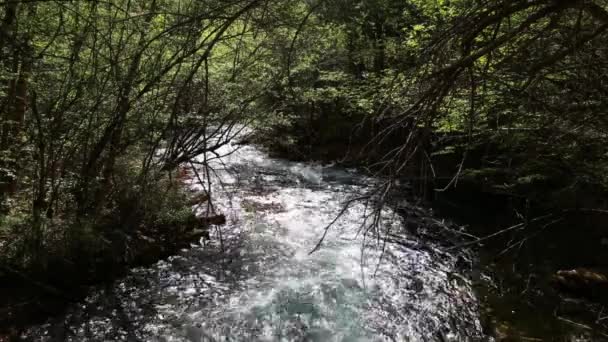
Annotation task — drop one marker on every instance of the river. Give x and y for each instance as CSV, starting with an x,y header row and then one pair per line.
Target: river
x,y
258,281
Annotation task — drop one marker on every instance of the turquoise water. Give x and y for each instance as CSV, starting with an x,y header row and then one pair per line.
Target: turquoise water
x,y
257,281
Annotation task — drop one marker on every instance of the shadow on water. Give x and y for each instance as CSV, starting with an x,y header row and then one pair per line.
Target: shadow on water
x,y
261,283
520,295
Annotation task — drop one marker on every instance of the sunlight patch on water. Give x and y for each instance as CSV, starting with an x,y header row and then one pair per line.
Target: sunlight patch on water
x,y
266,286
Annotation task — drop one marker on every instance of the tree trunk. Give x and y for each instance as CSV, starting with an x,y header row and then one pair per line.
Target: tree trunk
x,y
15,104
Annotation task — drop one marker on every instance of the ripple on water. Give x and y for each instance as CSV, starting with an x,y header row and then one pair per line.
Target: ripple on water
x,y
265,286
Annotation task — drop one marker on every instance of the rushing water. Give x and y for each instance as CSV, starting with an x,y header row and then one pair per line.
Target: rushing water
x,y
258,282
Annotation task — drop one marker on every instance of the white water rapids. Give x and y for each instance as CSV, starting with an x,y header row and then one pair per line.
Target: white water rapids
x,y
266,286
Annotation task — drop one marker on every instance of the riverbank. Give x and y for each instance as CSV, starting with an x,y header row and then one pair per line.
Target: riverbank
x,y
517,273
516,301
523,244
263,281
31,293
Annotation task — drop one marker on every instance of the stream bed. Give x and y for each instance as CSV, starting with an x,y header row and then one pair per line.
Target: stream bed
x,y
256,280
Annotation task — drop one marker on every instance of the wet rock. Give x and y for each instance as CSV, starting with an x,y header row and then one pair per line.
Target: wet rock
x,y
194,333
318,334
248,140
215,219
584,282
350,284
198,234
199,198
257,206
417,285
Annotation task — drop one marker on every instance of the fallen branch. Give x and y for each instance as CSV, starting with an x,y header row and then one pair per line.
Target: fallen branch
x,y
487,237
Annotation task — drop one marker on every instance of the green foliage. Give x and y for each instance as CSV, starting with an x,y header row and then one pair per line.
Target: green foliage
x,y
100,101
520,81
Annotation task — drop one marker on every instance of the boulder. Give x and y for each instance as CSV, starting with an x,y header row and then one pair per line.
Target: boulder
x,y
588,283
199,198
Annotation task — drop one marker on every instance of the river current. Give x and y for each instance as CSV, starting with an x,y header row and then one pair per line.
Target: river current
x,y
256,280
